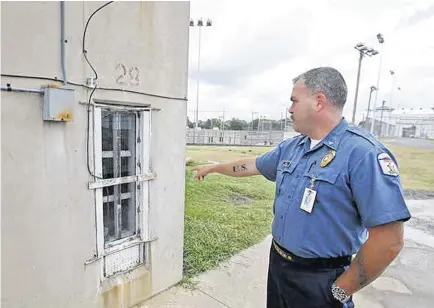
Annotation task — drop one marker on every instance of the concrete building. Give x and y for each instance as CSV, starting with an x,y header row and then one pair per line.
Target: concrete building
x,y
404,122
92,201
414,122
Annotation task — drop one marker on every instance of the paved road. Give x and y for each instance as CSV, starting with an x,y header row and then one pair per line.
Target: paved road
x,y
409,281
412,142
241,283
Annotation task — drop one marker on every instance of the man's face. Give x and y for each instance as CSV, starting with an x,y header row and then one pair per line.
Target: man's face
x,y
303,108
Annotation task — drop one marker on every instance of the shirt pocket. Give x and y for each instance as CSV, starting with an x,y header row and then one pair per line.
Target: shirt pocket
x,y
284,175
324,185
324,178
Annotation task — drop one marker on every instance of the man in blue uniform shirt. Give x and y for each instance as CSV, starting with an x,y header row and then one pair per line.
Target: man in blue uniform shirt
x,y
335,184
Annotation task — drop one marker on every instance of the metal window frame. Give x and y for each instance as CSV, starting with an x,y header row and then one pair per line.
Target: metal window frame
x,y
142,178
118,180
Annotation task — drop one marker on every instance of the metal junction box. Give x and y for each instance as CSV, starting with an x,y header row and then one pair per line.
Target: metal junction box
x,y
58,104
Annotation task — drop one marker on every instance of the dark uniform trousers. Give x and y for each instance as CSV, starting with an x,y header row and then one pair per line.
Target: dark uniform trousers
x,y
291,285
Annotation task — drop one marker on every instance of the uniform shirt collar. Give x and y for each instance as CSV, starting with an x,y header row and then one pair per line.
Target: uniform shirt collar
x,y
333,139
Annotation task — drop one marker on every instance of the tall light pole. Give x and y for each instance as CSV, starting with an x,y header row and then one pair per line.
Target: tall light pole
x,y
397,104
200,24
381,119
261,122
369,102
392,73
398,121
363,51
380,39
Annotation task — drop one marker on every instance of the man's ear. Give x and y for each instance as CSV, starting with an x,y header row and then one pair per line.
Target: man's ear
x,y
321,101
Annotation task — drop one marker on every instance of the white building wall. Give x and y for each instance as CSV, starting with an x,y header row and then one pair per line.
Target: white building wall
x,y
48,212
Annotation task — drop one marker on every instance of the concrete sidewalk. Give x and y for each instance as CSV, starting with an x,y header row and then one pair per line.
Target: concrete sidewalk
x,y
241,283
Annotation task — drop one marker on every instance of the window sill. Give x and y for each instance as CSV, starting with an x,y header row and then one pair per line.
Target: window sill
x,y
123,242
118,248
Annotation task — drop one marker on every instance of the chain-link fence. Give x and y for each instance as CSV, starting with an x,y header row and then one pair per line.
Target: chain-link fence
x,y
234,137
398,127
403,127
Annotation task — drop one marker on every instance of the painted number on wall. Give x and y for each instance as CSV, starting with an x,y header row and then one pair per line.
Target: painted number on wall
x,y
127,76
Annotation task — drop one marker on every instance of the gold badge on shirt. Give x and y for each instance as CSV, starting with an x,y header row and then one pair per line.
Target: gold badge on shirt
x,y
327,158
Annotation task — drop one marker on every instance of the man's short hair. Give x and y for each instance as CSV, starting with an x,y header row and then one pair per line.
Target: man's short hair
x,y
328,81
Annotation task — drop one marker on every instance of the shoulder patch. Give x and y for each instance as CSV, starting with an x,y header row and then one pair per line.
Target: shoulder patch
x,y
388,166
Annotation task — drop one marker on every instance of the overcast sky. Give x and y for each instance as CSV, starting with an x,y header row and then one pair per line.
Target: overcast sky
x,y
254,49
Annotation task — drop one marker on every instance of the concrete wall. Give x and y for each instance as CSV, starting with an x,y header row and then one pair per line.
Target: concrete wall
x,y
48,213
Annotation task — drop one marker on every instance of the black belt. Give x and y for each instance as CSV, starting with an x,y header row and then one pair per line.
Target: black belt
x,y
312,262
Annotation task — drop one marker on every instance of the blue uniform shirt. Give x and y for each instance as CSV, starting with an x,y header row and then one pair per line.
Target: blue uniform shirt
x,y
358,189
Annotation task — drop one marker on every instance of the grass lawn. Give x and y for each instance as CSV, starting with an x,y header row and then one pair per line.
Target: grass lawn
x,y
416,167
214,153
226,215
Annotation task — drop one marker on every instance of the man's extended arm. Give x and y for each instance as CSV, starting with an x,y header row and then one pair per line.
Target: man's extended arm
x,y
383,245
237,168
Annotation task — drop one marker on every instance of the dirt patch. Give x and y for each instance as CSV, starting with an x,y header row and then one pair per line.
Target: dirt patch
x,y
239,200
413,194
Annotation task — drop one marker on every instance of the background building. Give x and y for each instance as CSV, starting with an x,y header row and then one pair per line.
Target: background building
x,y
404,122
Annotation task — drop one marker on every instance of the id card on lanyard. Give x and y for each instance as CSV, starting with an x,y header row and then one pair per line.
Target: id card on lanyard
x,y
308,198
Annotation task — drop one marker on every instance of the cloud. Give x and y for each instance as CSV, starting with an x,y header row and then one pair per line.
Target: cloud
x,y
417,17
254,57
251,53
255,49
422,72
